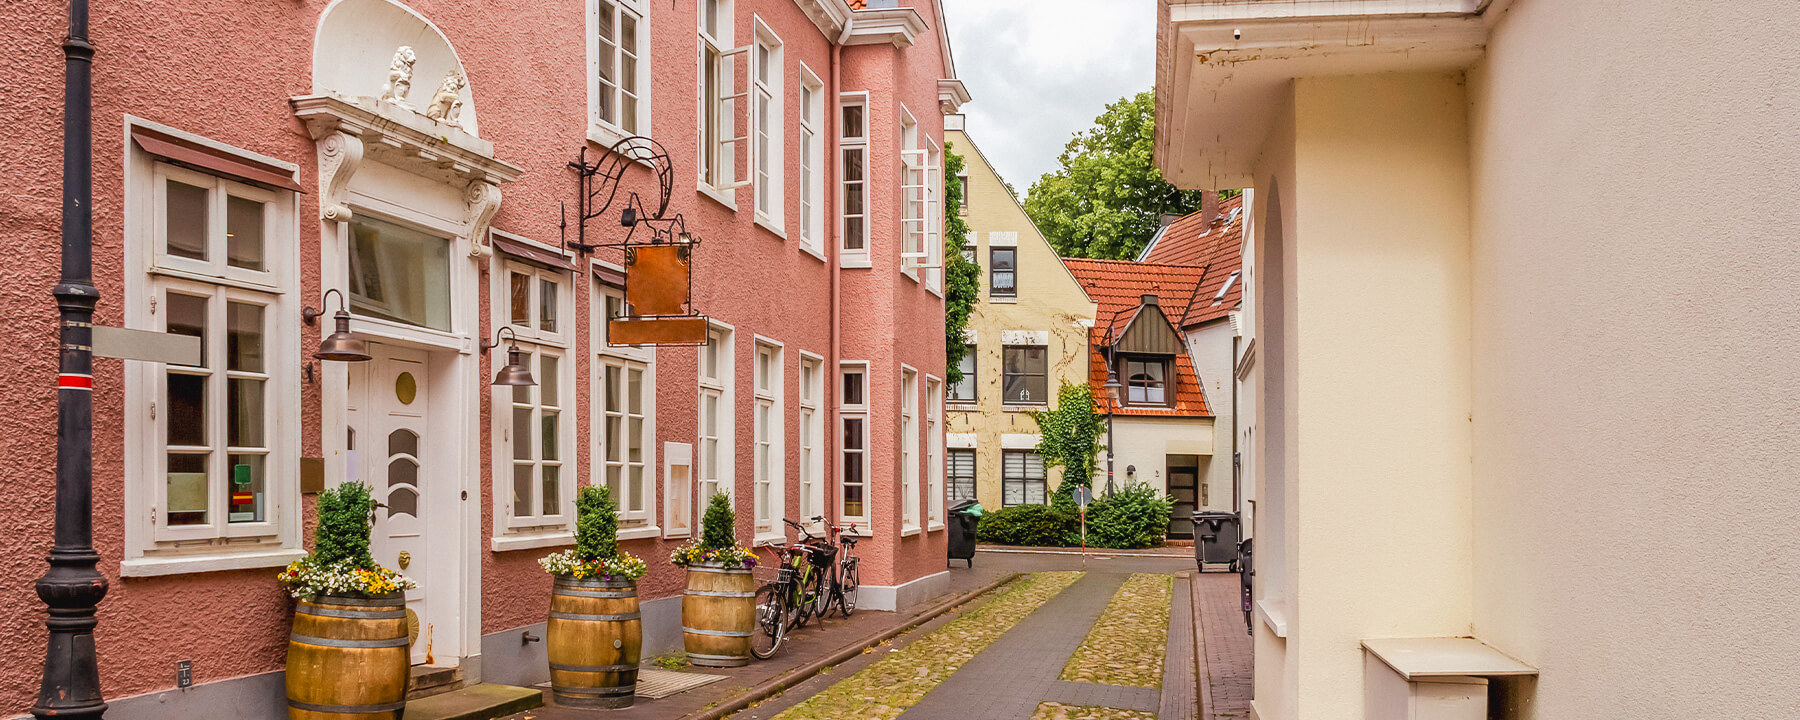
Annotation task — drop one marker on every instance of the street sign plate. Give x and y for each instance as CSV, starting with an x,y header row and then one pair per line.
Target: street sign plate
x,y
146,346
1083,496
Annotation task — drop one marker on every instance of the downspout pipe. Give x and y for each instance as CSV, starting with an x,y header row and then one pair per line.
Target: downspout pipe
x,y
73,586
834,387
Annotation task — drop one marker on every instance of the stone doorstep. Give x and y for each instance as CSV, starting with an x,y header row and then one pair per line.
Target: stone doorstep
x,y
477,702
429,680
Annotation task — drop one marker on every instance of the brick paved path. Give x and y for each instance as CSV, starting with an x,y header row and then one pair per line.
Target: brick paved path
x,y
1009,678
1226,664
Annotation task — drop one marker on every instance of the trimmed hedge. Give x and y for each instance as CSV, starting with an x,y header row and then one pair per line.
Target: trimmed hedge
x,y
1134,518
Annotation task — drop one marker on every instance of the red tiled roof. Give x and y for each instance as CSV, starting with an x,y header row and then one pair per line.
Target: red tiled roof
x,y
1217,249
1117,287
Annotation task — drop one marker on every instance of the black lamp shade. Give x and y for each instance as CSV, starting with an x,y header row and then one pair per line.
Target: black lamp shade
x,y
341,345
515,373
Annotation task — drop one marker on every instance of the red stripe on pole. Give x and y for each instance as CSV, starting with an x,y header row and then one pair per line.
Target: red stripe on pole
x,y
75,382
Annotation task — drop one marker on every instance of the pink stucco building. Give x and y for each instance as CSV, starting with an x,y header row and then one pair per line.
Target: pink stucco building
x,y
246,162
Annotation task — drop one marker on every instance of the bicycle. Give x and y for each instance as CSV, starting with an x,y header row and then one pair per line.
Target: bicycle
x,y
792,599
846,579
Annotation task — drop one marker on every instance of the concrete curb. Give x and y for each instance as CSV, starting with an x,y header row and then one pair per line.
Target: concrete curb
x,y
776,685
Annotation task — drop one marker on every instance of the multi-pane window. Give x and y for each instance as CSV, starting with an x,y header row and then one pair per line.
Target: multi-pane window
x,y
960,462
914,175
962,178
812,430
539,435
854,172
963,391
624,416
715,437
853,466
620,50
934,443
715,21
766,82
812,149
1024,378
1021,478
1003,276
532,423
909,449
1146,381
767,458
216,437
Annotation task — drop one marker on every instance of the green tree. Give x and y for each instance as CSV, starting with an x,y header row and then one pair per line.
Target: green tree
x,y
718,526
962,277
596,524
1069,437
1107,198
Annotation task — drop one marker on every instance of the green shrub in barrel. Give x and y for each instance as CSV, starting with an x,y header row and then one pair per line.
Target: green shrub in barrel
x,y
718,612
595,636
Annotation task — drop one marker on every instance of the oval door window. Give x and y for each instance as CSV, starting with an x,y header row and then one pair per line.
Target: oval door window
x,y
406,388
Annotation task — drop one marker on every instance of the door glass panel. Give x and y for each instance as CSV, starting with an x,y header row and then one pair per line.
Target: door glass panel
x,y
403,501
185,224
403,471
403,442
246,497
244,233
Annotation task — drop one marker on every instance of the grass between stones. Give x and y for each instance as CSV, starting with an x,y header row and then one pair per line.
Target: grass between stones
x,y
884,690
1059,711
1126,646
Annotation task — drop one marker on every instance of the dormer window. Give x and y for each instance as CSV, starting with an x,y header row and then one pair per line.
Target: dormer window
x,y
1146,380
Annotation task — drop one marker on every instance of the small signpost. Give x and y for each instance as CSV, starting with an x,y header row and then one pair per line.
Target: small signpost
x,y
1083,496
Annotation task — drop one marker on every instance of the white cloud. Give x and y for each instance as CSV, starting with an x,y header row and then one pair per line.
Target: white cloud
x,y
1041,70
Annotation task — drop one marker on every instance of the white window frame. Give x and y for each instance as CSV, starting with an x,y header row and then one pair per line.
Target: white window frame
x,y
719,450
719,140
678,490
769,123
934,452
600,129
812,169
810,420
914,171
535,343
853,248
934,217
768,461
848,413
641,522
972,376
276,540
909,450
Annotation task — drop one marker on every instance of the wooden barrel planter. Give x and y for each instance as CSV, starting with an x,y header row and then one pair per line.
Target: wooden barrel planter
x,y
594,638
718,613
348,658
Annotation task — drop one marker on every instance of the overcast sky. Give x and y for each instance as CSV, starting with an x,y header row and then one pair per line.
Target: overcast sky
x,y
1040,70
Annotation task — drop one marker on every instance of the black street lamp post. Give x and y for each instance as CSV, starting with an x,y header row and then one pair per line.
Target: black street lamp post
x,y
1112,398
74,586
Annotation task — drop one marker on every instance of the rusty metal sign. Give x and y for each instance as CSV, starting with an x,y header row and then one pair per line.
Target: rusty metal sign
x,y
688,330
658,279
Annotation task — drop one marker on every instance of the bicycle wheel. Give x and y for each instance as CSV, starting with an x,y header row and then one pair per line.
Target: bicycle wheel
x,y
809,600
846,595
771,621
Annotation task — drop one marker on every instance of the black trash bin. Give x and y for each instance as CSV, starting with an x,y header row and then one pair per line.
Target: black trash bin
x,y
963,518
1215,538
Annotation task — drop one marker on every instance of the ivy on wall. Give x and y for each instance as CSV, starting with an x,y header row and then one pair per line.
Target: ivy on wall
x,y
962,277
1069,437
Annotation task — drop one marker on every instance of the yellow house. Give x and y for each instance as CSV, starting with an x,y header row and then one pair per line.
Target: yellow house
x,y
1029,332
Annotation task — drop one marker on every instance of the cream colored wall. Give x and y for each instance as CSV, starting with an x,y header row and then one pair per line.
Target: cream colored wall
x,y
1637,269
1049,300
1145,442
1377,481
1209,347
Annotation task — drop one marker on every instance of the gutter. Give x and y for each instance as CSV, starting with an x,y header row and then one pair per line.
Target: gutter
x,y
835,354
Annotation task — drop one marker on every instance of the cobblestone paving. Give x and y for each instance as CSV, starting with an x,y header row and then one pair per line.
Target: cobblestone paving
x,y
1226,665
1126,646
1059,711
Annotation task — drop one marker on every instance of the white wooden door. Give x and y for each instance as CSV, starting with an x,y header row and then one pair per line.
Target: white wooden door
x,y
389,435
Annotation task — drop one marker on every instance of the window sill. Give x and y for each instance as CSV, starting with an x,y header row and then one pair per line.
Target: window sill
x,y
180,565
911,273
728,198
814,251
678,534
935,526
505,543
971,406
640,533
1004,299
1273,613
1023,407
855,259
909,530
769,539
862,527
770,224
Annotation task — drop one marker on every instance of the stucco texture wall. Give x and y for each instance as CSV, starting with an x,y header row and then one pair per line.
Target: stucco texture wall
x,y
1210,348
1636,275
1381,481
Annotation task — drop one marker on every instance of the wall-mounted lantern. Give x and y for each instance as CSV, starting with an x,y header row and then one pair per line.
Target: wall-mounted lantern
x,y
515,374
340,345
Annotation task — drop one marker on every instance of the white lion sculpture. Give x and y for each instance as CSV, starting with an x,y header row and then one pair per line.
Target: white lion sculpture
x,y
400,73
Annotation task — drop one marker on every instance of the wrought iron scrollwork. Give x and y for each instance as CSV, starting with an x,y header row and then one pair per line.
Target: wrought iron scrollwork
x,y
599,188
